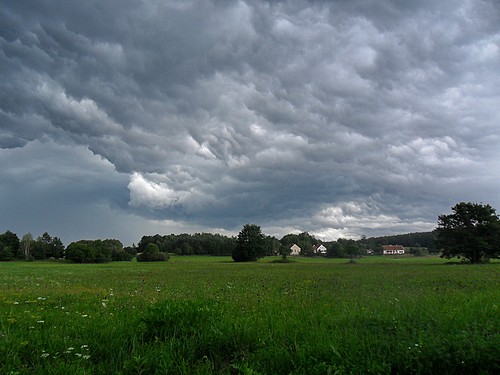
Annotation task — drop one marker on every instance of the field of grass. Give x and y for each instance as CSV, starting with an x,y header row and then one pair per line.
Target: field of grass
x,y
202,315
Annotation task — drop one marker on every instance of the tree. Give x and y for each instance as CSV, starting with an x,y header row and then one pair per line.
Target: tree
x,y
284,251
10,240
272,246
152,254
55,248
250,244
351,248
472,231
333,250
25,245
5,252
38,250
90,251
80,252
131,250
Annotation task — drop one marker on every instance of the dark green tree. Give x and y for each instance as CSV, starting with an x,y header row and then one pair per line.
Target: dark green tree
x,y
305,241
54,247
10,240
471,232
250,244
80,252
131,250
284,251
333,250
90,251
272,245
152,254
38,250
5,252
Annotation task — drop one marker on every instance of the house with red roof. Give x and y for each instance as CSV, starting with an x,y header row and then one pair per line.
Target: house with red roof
x,y
393,250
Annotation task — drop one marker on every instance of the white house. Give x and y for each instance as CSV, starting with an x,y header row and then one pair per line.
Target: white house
x,y
295,249
321,249
393,250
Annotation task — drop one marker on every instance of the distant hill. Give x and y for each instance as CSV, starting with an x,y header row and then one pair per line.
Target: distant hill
x,y
418,239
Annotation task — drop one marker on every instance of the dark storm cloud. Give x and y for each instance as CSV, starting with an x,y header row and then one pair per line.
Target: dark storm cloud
x,y
335,117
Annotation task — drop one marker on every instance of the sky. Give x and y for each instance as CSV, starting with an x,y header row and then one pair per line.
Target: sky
x,y
126,118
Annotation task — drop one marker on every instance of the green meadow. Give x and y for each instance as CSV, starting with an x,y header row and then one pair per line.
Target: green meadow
x,y
204,315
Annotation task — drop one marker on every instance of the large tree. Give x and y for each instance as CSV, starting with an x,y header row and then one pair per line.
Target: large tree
x,y
9,245
250,244
472,231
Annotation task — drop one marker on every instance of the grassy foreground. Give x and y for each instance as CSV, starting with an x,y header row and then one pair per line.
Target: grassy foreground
x,y
201,315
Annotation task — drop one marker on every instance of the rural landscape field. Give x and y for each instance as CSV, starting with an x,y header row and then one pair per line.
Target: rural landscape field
x,y
203,315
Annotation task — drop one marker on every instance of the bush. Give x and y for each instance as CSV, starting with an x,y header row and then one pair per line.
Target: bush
x,y
78,252
152,254
121,256
85,251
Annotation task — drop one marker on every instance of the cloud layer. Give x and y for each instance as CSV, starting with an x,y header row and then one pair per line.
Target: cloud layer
x,y
339,118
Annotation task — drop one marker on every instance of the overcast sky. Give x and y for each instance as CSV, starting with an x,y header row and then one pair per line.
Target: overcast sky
x,y
341,118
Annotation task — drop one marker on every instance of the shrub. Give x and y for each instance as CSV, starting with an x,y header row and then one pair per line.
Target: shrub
x,y
78,252
85,251
120,256
152,254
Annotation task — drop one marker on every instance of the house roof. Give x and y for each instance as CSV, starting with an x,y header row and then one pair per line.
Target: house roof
x,y
393,247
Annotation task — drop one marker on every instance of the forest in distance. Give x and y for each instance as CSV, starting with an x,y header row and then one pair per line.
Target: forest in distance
x,y
47,246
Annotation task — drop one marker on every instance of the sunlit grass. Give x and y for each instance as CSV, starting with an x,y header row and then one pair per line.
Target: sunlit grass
x,y
211,315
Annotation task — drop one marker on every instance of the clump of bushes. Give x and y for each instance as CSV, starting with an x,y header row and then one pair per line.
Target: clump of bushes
x,y
97,251
152,254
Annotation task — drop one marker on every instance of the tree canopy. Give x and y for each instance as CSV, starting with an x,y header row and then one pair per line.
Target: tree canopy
x,y
472,232
96,251
250,244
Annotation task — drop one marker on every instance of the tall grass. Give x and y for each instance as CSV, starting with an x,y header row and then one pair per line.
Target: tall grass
x,y
209,315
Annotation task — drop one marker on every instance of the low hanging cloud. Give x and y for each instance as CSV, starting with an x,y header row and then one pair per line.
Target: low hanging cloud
x,y
339,118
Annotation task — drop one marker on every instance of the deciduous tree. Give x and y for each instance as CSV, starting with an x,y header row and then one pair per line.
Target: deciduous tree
x,y
472,231
25,245
10,240
250,244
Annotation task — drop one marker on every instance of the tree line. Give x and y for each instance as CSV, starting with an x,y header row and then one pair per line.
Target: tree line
x,y
99,251
472,232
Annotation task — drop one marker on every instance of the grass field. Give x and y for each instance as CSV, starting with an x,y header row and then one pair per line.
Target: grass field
x,y
198,315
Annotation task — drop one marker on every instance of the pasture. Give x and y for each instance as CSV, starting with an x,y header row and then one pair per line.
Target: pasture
x,y
203,315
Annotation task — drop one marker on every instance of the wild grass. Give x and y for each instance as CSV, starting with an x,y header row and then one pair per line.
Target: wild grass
x,y
210,315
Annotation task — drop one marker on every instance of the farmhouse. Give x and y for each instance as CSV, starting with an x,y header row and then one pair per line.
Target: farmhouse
x,y
321,249
295,249
393,250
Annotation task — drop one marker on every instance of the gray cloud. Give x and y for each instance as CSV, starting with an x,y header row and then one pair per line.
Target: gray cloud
x,y
340,118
